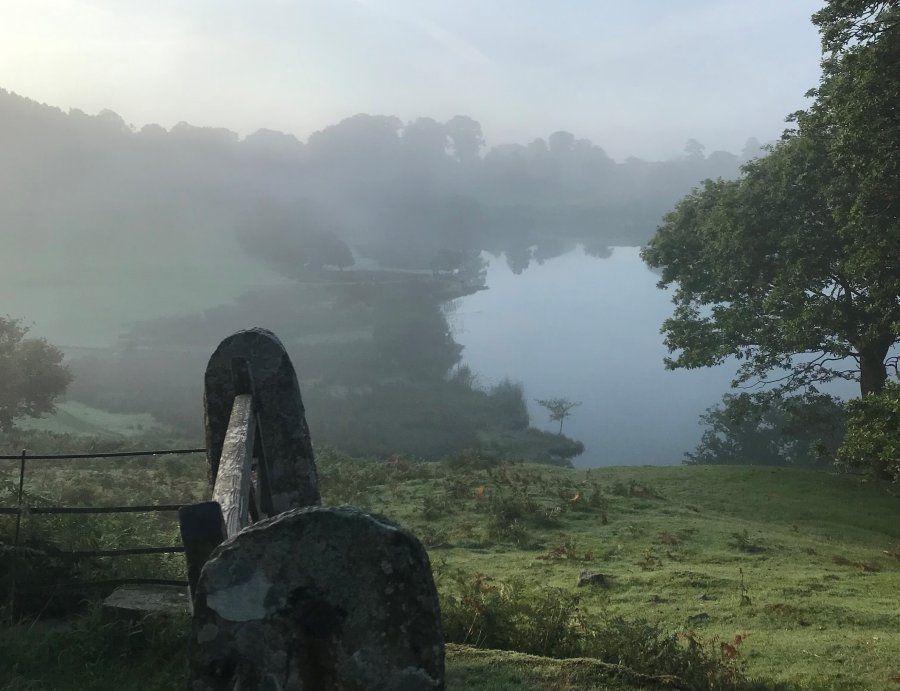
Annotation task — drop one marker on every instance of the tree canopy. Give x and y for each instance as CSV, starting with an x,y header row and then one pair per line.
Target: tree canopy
x,y
32,374
558,409
794,268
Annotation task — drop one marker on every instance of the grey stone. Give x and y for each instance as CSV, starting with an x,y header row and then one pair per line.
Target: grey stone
x,y
284,434
318,599
136,601
700,618
594,578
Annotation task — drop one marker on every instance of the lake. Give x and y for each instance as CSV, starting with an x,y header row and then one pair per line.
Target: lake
x,y
588,329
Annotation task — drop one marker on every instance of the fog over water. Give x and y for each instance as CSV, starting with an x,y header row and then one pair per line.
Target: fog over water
x,y
347,202
588,329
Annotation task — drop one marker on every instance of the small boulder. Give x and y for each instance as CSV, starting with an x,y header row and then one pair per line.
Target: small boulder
x,y
133,602
594,578
700,618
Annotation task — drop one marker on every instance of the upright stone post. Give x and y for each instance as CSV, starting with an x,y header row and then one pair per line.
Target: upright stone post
x,y
288,467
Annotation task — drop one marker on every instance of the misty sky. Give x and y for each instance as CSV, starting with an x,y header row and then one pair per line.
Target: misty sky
x,y
636,77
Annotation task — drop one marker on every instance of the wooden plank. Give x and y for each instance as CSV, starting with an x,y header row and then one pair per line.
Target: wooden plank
x,y
232,487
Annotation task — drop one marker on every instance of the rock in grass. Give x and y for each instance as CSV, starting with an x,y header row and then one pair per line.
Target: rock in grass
x,y
318,599
594,578
133,602
700,618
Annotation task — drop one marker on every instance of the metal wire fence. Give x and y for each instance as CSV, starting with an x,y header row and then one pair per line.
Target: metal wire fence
x,y
20,509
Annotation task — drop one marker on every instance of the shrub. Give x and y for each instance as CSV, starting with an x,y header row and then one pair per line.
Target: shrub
x,y
470,459
482,612
741,540
771,429
434,507
479,611
872,442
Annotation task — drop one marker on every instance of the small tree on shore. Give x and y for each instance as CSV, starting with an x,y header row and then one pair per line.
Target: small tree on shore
x,y
558,408
32,374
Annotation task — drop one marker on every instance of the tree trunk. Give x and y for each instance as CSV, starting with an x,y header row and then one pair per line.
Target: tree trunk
x,y
560,426
872,371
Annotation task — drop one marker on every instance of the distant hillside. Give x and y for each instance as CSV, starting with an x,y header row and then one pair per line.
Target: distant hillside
x,y
90,204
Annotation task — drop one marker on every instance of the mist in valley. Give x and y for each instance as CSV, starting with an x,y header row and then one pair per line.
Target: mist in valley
x,y
430,281
469,345
138,250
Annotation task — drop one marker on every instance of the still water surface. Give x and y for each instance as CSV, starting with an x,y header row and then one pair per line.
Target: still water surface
x,y
588,329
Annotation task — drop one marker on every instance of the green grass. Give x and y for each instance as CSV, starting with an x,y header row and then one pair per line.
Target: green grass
x,y
93,653
802,565
819,598
74,417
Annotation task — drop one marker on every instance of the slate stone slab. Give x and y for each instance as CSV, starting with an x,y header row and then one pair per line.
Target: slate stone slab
x,y
136,601
284,434
318,599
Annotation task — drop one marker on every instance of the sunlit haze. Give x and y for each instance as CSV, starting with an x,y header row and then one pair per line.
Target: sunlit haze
x,y
637,78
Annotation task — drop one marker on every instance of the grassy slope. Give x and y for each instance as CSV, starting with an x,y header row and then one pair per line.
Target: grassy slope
x,y
822,609
74,417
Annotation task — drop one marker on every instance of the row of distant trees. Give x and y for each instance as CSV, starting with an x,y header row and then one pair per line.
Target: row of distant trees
x,y
398,192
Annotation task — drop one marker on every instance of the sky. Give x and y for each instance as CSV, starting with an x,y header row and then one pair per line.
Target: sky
x,y
637,77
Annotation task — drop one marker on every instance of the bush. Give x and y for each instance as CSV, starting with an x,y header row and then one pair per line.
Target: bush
x,y
482,612
771,429
529,445
504,615
872,442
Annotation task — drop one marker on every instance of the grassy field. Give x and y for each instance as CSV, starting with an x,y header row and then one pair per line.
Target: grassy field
x,y
791,575
74,417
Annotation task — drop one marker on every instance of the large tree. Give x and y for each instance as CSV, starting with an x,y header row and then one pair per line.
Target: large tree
x,y
794,268
32,374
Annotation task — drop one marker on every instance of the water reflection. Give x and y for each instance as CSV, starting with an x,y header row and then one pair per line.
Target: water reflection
x,y
588,329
